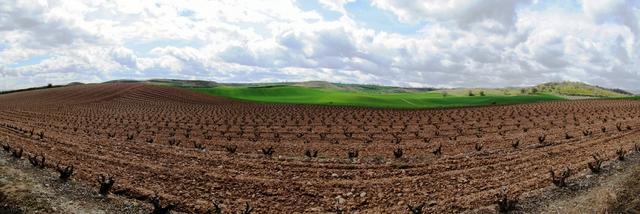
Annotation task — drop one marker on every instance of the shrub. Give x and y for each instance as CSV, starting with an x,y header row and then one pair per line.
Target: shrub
x,y
504,203
560,180
231,149
17,153
106,182
438,150
348,134
37,162
267,151
621,153
173,141
6,147
397,153
158,208
515,144
311,153
352,154
596,165
396,139
567,136
199,146
65,172
478,147
415,209
541,139
247,209
216,208
130,136
40,135
334,141
323,136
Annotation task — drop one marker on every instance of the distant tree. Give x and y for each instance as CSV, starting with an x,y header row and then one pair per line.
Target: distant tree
x,y
49,85
482,93
445,94
523,91
471,94
534,90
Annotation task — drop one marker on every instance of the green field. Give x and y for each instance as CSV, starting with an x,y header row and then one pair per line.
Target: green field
x,y
632,98
321,96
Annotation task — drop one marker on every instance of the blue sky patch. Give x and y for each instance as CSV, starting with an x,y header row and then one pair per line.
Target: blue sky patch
x,y
186,12
30,61
327,14
567,5
143,48
380,20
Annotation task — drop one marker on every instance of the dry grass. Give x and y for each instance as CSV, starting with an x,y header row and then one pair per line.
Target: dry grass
x,y
629,197
618,192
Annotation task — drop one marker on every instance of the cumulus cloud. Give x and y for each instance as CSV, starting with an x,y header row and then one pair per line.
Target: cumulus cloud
x,y
458,43
619,11
461,12
31,24
336,5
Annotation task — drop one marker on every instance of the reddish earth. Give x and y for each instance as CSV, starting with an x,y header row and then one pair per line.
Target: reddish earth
x,y
125,130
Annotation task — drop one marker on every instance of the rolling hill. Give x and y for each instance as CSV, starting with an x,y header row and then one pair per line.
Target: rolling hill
x,y
326,93
579,89
554,88
339,94
292,94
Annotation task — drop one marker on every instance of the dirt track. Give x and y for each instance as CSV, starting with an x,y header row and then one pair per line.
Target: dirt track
x,y
89,126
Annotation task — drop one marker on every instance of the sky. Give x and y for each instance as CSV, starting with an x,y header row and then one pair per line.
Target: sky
x,y
427,43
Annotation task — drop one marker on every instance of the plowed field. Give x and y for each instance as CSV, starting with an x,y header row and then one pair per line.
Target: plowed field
x,y
179,145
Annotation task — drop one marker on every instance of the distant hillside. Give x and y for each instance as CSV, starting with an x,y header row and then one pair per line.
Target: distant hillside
x,y
172,82
327,93
578,89
31,89
359,87
307,84
568,89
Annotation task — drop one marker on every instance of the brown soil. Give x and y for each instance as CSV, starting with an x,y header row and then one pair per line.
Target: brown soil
x,y
125,130
24,189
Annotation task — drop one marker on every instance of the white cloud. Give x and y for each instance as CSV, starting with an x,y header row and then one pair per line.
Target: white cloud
x,y
461,42
617,11
336,5
461,12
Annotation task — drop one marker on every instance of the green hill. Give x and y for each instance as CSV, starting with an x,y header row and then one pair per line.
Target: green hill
x,y
292,94
564,89
579,89
556,88
327,93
